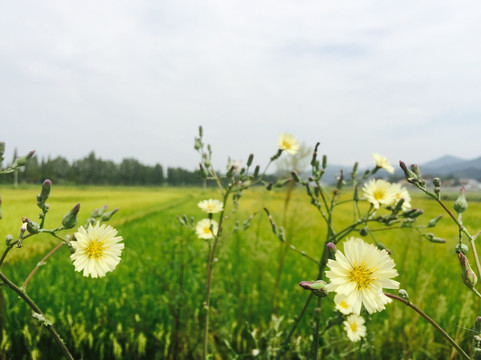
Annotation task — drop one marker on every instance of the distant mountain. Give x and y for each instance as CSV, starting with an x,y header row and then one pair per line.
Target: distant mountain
x,y
453,166
446,160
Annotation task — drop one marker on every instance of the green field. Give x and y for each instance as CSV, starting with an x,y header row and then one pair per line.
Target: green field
x,y
150,307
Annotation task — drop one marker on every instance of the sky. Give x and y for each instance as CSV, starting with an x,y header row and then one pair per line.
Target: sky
x,y
136,78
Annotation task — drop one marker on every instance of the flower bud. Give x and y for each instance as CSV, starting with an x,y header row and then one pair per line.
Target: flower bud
x,y
70,220
467,274
250,159
318,287
363,231
276,156
331,250
433,222
32,227
108,215
403,294
324,161
460,205
44,194
295,176
8,239
437,182
463,248
434,239
256,171
197,144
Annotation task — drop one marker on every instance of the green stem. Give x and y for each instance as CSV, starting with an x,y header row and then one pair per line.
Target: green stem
x,y
432,322
35,308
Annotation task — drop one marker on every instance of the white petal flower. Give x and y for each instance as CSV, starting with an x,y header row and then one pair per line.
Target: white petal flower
x,y
211,206
288,143
342,305
361,274
203,229
383,163
400,192
378,192
97,250
354,326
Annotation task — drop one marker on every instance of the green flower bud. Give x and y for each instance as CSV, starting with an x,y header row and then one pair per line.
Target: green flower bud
x,y
32,227
331,250
256,171
108,215
8,239
433,222
363,231
463,248
324,161
318,287
467,274
437,182
461,205
403,294
44,194
250,159
70,220
295,176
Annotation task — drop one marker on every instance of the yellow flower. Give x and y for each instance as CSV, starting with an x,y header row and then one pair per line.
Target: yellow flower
x,y
211,206
203,229
342,305
288,143
354,326
401,193
361,274
383,163
97,250
378,192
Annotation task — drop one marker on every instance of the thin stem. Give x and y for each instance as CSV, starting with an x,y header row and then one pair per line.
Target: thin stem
x,y
431,321
35,308
42,262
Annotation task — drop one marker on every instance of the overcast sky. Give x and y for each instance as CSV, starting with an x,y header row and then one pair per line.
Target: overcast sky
x,y
137,78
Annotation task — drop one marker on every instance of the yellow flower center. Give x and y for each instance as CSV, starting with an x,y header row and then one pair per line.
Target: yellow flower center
x,y
379,194
206,230
343,304
353,327
95,249
286,145
361,275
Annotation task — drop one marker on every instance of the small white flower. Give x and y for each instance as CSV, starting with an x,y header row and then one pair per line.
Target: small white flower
x,y
97,250
378,192
354,326
400,192
211,206
342,305
203,229
288,143
383,163
361,274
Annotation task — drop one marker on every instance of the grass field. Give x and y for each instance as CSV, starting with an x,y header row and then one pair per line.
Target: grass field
x,y
150,307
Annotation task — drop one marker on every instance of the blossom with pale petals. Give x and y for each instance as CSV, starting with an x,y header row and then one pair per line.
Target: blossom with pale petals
x,y
400,192
360,274
378,192
206,229
342,305
354,326
288,143
97,250
211,206
383,163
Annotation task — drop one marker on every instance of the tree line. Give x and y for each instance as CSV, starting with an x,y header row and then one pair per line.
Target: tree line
x,y
92,170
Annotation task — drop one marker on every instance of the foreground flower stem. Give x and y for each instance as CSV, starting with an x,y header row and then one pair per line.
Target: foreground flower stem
x,y
431,321
35,308
42,262
210,263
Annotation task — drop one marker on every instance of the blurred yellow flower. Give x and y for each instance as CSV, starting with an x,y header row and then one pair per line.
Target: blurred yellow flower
x,y
383,163
288,143
361,274
203,229
378,192
211,206
354,326
342,305
97,250
400,192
